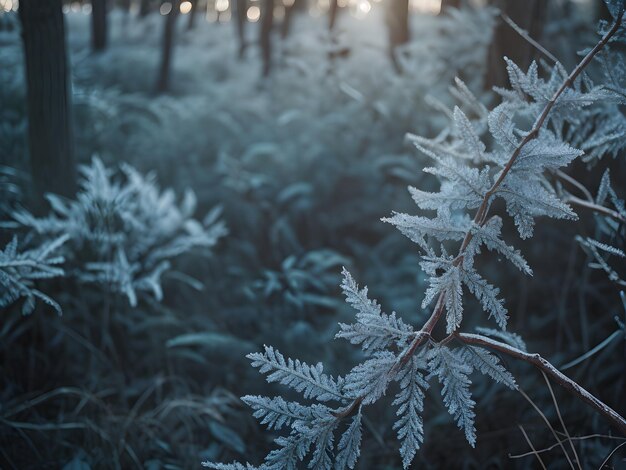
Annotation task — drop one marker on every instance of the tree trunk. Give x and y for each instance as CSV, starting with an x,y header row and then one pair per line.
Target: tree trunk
x,y
398,26
125,5
529,15
98,25
285,27
445,4
192,14
332,14
144,8
48,98
267,22
169,30
241,8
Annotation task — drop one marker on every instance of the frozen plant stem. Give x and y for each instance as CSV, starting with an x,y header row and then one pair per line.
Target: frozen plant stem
x,y
552,372
479,219
596,208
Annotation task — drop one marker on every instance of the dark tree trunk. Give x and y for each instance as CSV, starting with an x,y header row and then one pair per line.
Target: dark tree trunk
x,y
144,8
241,7
445,4
267,22
98,25
285,27
530,15
192,14
398,26
48,98
169,30
125,5
332,14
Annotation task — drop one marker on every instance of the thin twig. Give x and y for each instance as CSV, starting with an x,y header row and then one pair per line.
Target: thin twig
x,y
565,177
547,421
591,352
553,446
608,457
558,413
596,208
534,451
523,33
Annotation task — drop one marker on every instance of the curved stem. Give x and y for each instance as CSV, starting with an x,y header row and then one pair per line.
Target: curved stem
x,y
596,208
547,368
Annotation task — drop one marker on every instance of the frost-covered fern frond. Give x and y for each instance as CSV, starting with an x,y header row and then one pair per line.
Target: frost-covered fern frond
x,y
507,154
311,427
20,270
373,330
123,230
309,380
470,160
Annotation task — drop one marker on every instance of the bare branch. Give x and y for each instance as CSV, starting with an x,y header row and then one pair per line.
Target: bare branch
x,y
542,364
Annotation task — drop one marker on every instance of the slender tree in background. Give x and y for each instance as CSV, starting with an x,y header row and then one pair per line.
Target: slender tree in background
x,y
285,27
192,14
144,8
169,30
529,15
241,7
98,25
125,6
398,26
267,23
332,14
446,4
48,98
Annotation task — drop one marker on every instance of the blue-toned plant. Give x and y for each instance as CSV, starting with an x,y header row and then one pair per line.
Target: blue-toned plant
x,y
509,164
20,271
124,231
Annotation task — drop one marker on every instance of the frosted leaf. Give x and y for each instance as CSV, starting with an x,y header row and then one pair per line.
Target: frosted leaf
x,y
488,364
489,235
449,284
349,447
276,412
453,374
410,402
487,295
309,380
370,379
374,330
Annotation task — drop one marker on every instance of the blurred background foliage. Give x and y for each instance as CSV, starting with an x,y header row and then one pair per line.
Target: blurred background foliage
x,y
294,131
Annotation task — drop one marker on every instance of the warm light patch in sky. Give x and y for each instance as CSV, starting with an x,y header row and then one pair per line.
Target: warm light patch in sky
x,y
185,7
426,6
253,13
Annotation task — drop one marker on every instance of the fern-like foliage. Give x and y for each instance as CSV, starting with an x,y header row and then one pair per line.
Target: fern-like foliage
x,y
610,242
410,402
373,330
309,380
20,270
312,427
123,230
482,157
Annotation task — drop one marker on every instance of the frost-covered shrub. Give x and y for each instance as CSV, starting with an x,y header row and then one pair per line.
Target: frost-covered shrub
x,y
124,232
20,270
508,154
